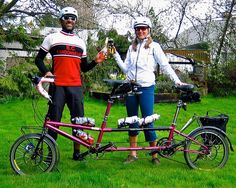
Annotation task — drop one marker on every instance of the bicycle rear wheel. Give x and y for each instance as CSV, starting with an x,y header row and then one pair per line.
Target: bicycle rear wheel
x,y
32,154
198,157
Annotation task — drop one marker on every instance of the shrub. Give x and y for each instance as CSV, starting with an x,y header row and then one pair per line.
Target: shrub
x,y
222,82
165,85
16,82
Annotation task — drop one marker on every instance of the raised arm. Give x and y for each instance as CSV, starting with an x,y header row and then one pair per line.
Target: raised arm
x,y
122,64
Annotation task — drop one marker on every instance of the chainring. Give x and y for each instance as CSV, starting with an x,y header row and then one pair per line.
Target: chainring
x,y
168,152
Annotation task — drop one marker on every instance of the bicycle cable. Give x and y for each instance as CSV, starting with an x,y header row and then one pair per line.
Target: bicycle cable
x,y
38,116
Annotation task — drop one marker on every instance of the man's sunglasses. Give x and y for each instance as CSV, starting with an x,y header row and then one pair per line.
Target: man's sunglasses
x,y
65,17
140,28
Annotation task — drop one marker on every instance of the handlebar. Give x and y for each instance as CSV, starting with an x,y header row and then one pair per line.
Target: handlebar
x,y
38,82
115,82
187,94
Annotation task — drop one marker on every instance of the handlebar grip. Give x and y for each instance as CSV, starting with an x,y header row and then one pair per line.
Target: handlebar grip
x,y
38,81
50,77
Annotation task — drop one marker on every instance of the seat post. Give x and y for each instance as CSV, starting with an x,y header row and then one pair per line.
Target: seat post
x,y
178,107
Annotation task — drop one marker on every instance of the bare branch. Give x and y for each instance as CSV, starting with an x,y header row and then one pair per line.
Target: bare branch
x,y
7,7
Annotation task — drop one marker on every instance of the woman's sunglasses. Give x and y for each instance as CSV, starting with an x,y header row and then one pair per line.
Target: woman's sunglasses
x,y
141,28
66,17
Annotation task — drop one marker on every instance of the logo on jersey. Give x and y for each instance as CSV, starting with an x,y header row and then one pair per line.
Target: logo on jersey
x,y
69,51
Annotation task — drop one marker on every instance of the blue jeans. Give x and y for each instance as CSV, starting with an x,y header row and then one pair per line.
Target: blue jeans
x,y
146,103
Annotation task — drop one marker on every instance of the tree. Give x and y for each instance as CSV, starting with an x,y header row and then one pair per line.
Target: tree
x,y
157,28
15,24
181,12
33,14
226,10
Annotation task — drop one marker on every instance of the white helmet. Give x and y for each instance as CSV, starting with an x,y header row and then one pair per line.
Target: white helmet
x,y
68,10
142,21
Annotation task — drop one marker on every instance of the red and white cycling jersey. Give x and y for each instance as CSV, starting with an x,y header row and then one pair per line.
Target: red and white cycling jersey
x,y
66,51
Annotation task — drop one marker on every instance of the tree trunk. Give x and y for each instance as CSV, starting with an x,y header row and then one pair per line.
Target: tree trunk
x,y
228,16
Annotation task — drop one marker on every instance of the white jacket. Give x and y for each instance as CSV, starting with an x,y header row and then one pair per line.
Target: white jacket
x,y
140,65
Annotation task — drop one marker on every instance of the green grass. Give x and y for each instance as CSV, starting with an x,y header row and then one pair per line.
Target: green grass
x,y
109,170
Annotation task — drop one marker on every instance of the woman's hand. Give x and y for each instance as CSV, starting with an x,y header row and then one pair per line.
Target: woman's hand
x,y
181,84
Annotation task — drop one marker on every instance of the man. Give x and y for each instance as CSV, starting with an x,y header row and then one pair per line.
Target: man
x,y
69,58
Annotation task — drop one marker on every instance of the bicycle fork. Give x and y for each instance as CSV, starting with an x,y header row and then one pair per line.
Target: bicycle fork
x,y
37,148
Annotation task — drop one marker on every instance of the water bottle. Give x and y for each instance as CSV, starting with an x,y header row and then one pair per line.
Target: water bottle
x,y
149,119
84,121
128,120
84,136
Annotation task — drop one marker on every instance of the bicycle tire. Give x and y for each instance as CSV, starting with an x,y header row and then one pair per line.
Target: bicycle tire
x,y
216,156
26,160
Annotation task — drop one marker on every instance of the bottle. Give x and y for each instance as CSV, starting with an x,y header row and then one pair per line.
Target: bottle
x,y
128,120
90,122
149,119
110,46
102,55
84,136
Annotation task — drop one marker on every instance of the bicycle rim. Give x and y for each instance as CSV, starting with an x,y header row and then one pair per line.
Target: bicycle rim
x,y
216,156
26,158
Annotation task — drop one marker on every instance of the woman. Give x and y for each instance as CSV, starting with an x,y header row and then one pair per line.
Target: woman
x,y
140,64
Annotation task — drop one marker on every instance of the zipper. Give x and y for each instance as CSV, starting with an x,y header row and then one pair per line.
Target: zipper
x,y
136,65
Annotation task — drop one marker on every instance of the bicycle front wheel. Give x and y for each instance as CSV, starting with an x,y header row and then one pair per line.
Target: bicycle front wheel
x,y
32,154
216,154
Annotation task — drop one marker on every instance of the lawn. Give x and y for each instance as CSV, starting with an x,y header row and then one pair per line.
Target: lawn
x,y
108,170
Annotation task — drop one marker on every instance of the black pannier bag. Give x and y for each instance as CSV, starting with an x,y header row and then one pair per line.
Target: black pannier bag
x,y
218,121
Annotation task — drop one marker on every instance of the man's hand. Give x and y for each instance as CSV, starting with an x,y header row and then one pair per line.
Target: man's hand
x,y
48,74
100,57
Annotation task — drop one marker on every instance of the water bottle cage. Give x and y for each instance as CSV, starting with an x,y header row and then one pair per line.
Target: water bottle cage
x,y
123,125
134,93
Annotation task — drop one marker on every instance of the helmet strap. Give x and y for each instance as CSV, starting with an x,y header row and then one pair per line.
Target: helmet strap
x,y
67,30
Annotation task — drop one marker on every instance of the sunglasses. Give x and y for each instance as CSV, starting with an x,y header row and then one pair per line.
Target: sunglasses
x,y
65,17
141,28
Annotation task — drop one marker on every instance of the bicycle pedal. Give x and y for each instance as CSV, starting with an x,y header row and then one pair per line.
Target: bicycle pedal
x,y
78,157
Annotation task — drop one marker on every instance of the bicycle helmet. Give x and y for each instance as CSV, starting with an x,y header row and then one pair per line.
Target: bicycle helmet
x,y
142,21
68,10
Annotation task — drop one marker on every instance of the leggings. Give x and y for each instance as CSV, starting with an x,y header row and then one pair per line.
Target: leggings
x,y
146,103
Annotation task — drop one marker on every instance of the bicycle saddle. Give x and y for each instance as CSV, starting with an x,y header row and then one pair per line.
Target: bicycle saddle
x,y
115,82
184,88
